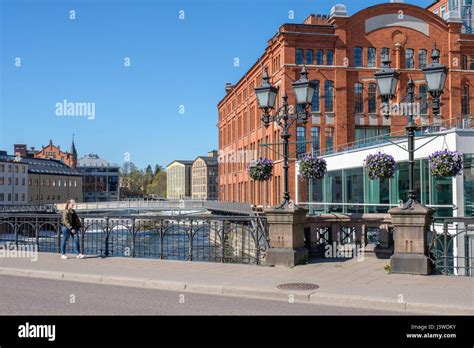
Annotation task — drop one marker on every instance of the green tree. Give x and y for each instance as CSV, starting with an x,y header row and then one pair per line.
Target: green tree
x,y
158,169
158,185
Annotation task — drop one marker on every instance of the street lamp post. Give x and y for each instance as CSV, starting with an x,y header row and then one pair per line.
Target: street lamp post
x,y
266,96
387,80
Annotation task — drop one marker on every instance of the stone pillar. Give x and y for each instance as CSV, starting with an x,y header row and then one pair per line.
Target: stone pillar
x,y
286,230
410,229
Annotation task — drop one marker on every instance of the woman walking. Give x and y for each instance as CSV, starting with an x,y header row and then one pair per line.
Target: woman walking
x,y
71,227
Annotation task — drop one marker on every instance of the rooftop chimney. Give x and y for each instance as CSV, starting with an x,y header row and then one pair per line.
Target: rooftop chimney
x,y
228,87
339,10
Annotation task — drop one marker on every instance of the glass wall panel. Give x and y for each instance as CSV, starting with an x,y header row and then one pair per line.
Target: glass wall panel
x,y
377,192
333,191
354,189
316,194
399,182
468,185
425,182
442,194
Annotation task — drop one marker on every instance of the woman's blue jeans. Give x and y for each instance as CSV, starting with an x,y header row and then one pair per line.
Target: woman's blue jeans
x,y
65,236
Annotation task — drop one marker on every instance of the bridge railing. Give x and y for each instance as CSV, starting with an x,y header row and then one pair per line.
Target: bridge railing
x,y
369,232
451,247
192,238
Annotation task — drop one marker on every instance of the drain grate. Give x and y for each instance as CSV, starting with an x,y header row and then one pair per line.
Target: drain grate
x,y
298,286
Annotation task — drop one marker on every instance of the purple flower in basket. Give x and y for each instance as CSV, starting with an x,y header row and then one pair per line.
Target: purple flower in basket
x,y
446,163
312,167
379,165
260,169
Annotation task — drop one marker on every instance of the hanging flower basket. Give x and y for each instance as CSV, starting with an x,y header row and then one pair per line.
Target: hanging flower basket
x,y
379,166
260,169
446,163
312,167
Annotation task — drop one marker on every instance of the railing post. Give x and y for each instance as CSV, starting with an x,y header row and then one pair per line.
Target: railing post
x,y
445,248
16,232
37,233
190,241
133,237
225,227
257,242
106,240
162,239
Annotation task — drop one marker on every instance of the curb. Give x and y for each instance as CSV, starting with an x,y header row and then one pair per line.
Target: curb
x,y
310,297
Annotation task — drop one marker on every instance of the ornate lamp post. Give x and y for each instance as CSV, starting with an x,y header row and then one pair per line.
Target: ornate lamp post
x,y
435,75
387,80
266,96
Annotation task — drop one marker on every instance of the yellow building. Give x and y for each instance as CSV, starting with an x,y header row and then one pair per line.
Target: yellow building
x,y
204,177
178,179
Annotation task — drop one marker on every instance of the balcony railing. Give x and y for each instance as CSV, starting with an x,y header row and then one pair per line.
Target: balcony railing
x,y
465,123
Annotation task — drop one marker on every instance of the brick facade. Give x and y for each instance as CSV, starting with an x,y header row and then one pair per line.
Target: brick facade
x,y
397,27
52,151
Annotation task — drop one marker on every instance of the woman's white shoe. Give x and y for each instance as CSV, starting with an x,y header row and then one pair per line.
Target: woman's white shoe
x,y
64,257
80,256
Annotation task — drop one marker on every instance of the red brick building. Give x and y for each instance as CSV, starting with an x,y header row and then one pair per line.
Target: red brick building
x,y
341,54
49,151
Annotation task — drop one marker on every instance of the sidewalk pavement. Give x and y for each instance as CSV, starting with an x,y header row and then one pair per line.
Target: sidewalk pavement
x,y
350,283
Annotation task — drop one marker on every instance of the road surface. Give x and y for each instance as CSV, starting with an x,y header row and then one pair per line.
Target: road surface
x,y
33,296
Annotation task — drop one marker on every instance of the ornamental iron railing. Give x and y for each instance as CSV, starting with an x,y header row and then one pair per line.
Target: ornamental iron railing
x,y
451,246
193,238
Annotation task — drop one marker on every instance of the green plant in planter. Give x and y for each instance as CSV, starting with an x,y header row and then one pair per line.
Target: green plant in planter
x,y
312,167
260,169
446,163
380,165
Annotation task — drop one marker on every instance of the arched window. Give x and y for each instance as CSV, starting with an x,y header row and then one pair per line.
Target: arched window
x,y
329,58
410,58
464,62
422,60
328,96
371,57
315,107
465,101
372,100
299,56
309,56
423,99
384,54
359,98
358,57
319,57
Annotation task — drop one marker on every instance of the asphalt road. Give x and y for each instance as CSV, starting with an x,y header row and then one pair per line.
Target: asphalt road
x,y
30,296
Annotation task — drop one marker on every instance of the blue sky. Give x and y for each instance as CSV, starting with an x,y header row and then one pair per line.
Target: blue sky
x,y
173,62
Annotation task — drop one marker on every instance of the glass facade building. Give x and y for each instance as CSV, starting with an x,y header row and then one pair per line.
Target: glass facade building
x,y
351,191
346,188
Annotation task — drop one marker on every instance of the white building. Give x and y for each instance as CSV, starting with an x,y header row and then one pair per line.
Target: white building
x,y
347,189
13,181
